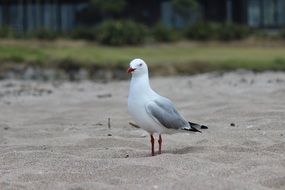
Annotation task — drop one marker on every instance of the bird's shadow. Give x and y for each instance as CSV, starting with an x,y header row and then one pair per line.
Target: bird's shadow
x,y
186,150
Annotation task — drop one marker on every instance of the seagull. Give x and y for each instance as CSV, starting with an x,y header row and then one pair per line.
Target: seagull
x,y
151,111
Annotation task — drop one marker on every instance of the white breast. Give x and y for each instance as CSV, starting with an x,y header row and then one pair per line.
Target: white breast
x,y
141,117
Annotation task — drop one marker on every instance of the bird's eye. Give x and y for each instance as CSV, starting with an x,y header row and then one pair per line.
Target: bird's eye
x,y
140,64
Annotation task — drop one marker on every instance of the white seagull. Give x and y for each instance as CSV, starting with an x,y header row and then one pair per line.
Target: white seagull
x,y
152,112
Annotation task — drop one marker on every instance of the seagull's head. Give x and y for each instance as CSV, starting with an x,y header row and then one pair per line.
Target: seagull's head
x,y
137,67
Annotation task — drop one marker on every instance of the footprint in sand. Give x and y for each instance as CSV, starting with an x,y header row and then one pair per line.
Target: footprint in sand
x,y
186,150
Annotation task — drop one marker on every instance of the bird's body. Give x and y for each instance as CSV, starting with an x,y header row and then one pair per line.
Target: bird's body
x,y
139,96
151,111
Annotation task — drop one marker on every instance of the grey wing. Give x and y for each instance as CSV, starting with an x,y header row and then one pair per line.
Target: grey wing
x,y
163,111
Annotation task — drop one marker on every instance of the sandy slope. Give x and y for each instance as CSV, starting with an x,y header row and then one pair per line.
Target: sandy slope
x,y
55,136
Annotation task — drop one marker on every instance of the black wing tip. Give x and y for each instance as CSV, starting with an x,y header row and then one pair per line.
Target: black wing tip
x,y
198,125
193,129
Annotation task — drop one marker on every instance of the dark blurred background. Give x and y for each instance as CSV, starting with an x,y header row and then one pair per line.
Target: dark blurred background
x,y
197,35
66,15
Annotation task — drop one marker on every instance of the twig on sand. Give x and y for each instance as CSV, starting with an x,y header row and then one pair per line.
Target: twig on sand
x,y
109,123
109,126
134,125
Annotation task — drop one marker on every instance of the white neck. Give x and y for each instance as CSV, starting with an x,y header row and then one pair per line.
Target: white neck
x,y
140,85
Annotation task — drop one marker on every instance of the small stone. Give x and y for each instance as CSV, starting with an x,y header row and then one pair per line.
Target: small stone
x,y
104,95
109,135
155,186
249,126
7,103
127,156
233,125
6,128
9,85
263,133
243,80
49,91
44,147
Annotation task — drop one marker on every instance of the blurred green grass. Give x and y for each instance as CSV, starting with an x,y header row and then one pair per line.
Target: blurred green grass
x,y
21,54
175,58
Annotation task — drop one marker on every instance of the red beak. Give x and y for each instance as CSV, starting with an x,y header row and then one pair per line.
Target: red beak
x,y
130,70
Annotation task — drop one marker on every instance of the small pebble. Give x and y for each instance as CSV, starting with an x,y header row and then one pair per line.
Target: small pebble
x,y
263,133
155,186
104,95
127,156
249,126
6,128
44,147
7,103
233,125
109,134
49,91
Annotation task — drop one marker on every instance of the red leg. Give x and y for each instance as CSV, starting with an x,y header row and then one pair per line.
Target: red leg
x,y
159,142
152,144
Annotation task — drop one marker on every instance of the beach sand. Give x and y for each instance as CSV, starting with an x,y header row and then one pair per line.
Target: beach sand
x,y
56,135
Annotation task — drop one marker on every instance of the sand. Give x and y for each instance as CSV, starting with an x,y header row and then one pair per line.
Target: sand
x,y
56,135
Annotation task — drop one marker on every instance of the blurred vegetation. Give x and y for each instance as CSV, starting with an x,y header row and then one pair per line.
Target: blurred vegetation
x,y
109,8
118,33
230,31
43,34
282,33
202,31
217,31
181,51
21,54
83,33
182,7
127,32
162,33
7,32
172,58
